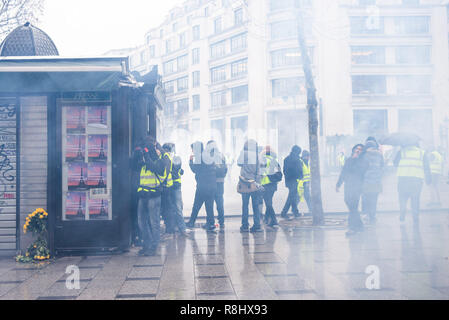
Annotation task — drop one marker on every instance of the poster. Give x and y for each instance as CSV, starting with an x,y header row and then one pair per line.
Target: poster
x,y
75,148
77,175
98,148
98,209
97,172
76,120
75,206
97,117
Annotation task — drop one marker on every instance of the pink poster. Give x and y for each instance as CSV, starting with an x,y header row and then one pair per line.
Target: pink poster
x,y
97,173
77,176
75,117
98,148
75,148
98,117
98,209
75,208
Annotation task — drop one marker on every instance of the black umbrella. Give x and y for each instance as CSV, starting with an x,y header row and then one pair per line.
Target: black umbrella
x,y
402,139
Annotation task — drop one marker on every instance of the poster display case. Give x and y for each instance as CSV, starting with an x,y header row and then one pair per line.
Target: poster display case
x,y
87,165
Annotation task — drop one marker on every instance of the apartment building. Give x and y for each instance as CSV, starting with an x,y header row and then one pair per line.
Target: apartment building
x,y
234,66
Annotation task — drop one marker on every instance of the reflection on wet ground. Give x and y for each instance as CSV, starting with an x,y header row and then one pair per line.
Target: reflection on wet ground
x,y
296,261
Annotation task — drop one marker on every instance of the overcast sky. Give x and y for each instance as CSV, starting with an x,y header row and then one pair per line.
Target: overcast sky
x,y
92,27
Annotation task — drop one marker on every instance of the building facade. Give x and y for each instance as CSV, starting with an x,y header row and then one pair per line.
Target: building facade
x,y
233,69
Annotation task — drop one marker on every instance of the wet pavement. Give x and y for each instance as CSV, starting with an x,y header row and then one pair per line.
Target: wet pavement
x,y
296,261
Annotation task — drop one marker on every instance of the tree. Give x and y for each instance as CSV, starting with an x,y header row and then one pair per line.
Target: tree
x,y
16,12
312,106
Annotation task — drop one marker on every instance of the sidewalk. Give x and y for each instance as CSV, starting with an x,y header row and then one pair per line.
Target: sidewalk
x,y
295,262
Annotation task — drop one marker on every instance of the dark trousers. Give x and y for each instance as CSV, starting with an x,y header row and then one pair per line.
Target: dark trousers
x,y
177,205
256,199
352,200
409,188
369,204
149,218
270,215
208,200
307,195
167,210
292,199
219,200
135,233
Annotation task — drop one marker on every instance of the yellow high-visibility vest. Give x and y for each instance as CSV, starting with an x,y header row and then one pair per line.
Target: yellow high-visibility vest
x,y
301,190
168,176
149,181
436,163
305,171
265,178
412,163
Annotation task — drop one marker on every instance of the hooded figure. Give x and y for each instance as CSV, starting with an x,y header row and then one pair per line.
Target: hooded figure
x,y
206,185
372,162
250,170
293,173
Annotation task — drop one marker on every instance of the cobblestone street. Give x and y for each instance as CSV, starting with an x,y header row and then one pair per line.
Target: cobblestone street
x,y
296,261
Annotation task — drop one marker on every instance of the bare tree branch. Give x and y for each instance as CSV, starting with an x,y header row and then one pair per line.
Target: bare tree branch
x,y
16,12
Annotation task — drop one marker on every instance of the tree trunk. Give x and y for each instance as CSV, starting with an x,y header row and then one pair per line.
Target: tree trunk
x,y
312,104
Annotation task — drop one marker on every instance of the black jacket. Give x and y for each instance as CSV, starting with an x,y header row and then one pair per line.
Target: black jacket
x,y
292,168
352,176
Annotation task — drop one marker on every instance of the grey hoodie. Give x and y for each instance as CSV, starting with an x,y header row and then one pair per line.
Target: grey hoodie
x,y
249,162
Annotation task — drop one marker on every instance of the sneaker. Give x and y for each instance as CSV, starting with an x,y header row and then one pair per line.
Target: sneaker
x,y
255,229
222,226
167,236
190,225
244,229
142,251
297,215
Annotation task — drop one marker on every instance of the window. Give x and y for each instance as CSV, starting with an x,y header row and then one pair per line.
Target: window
x,y
407,85
218,49
218,99
238,16
196,56
239,68
287,87
367,25
183,106
239,94
182,40
412,25
239,42
169,87
368,55
169,110
369,85
175,27
169,67
413,55
284,30
289,4
217,25
218,74
367,2
161,33
370,123
196,79
183,62
288,57
168,46
152,51
143,56
206,11
148,39
183,84
410,2
417,121
196,32
196,102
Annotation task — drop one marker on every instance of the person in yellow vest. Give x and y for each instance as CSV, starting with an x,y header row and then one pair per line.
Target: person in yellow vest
x,y
341,160
436,169
271,176
167,206
152,171
174,209
306,178
413,169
